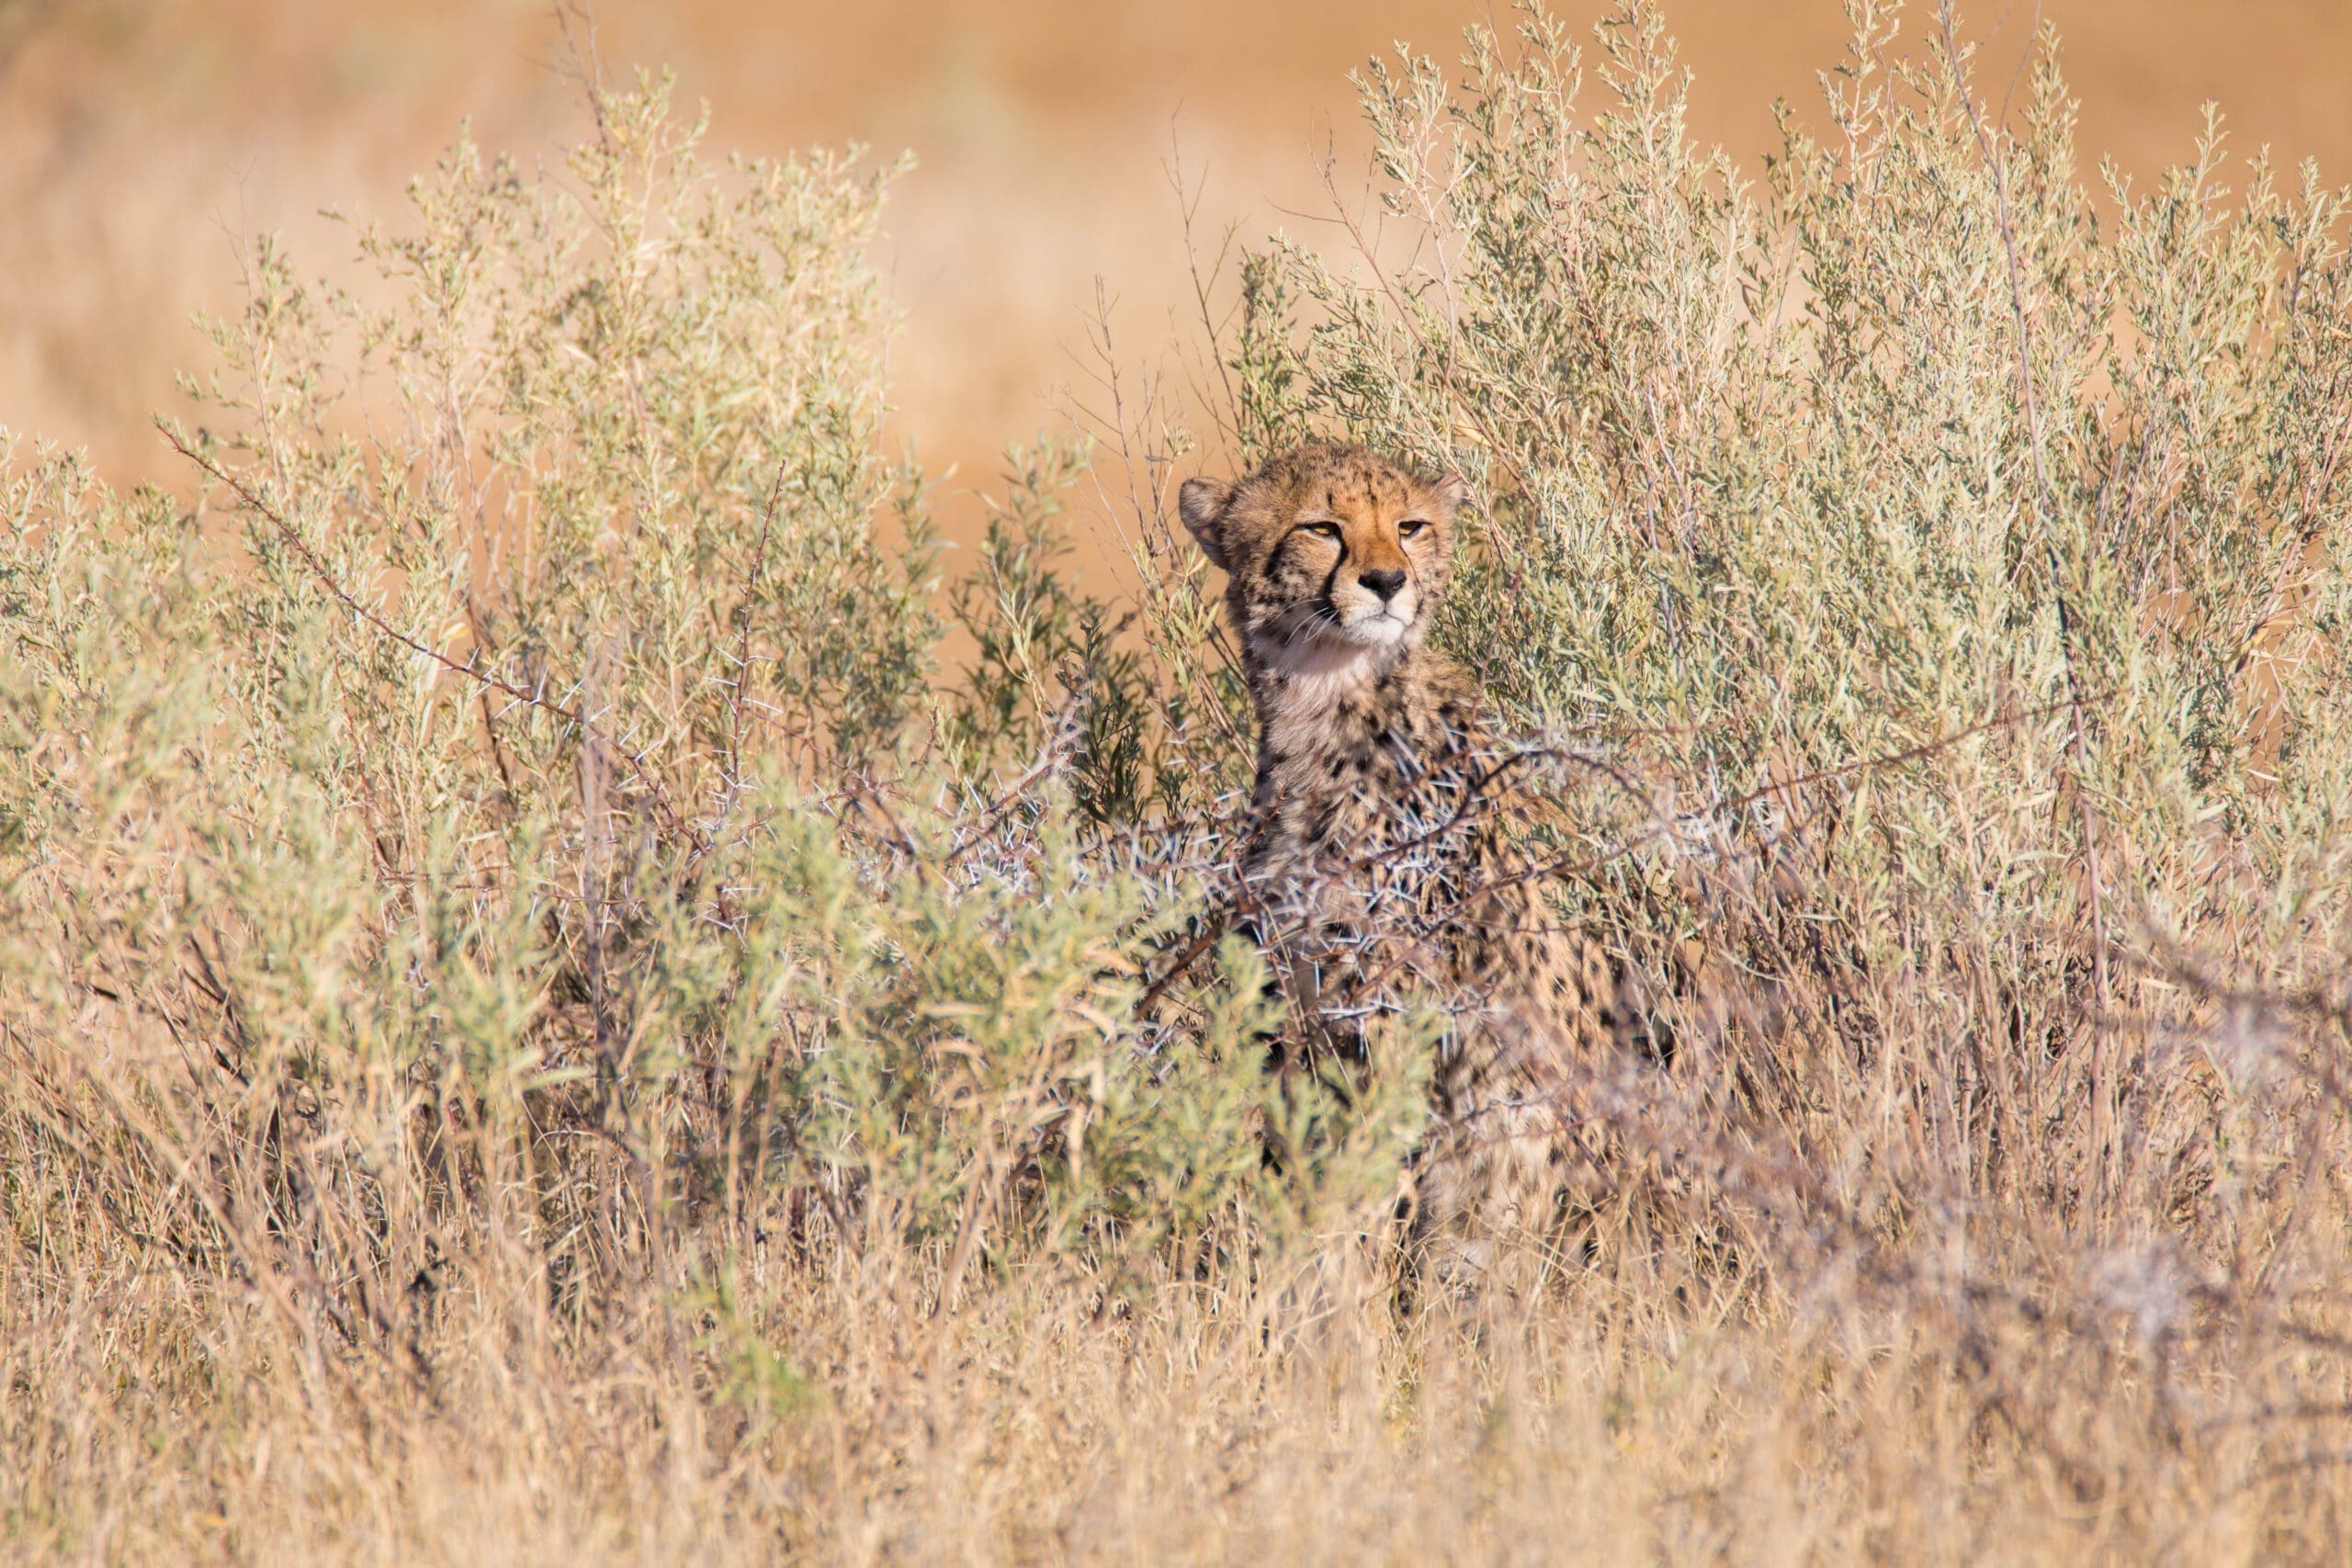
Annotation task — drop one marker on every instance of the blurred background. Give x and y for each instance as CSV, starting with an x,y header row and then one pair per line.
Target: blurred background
x,y
138,138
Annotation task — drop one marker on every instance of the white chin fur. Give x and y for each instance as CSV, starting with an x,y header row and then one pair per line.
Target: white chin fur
x,y
1349,651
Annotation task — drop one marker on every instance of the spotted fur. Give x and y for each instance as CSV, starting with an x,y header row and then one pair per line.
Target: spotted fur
x,y
1381,858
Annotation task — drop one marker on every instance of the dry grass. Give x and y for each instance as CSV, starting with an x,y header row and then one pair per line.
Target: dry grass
x,y
536,1024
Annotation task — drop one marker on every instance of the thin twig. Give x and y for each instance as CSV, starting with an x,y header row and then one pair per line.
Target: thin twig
x,y
335,590
2102,1088
743,642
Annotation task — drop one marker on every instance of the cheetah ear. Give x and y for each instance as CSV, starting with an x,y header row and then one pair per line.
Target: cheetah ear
x,y
1202,502
1451,489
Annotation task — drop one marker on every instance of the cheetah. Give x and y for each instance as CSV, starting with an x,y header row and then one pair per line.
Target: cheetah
x,y
1379,853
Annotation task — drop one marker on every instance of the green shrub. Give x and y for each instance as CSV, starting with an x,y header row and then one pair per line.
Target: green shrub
x,y
1950,568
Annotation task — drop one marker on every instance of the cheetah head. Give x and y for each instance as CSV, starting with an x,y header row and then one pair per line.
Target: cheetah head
x,y
1334,554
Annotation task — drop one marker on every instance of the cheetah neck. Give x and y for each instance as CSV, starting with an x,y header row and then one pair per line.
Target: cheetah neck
x,y
1310,713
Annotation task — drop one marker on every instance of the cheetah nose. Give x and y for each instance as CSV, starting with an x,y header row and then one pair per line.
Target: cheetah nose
x,y
1385,583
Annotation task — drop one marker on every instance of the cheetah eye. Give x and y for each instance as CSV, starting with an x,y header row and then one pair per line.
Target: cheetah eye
x,y
1411,526
1322,530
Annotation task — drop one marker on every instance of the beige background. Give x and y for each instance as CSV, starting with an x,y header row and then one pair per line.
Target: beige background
x,y
139,137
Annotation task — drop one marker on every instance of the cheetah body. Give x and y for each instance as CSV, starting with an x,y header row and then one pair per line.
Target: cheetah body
x,y
1381,860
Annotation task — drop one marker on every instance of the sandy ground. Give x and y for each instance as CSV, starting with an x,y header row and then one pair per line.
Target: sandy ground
x,y
140,138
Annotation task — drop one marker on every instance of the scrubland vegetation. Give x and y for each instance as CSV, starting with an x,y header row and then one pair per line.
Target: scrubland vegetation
x,y
539,1021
